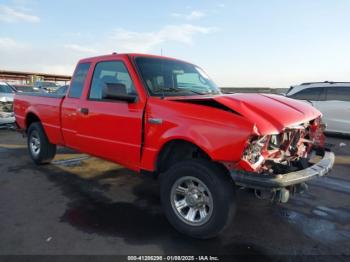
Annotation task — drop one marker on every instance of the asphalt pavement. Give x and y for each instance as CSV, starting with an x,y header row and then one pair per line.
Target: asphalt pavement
x,y
83,205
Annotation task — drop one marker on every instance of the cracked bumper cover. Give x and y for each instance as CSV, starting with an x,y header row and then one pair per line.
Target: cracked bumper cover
x,y
273,182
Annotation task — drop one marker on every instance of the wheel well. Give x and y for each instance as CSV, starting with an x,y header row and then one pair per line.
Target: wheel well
x,y
30,119
178,150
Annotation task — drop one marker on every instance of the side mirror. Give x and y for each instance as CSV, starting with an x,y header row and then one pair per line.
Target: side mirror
x,y
117,92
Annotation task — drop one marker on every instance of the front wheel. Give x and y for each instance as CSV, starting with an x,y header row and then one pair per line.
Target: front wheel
x,y
198,198
40,149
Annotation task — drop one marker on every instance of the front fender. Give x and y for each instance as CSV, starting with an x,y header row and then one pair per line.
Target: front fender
x,y
221,135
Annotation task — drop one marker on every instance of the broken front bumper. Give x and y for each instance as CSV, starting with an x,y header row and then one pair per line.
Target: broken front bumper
x,y
277,182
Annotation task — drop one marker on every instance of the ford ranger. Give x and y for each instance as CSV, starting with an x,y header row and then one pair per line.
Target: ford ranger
x,y
166,117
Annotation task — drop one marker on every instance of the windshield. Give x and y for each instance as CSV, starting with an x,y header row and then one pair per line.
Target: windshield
x,y
6,89
164,77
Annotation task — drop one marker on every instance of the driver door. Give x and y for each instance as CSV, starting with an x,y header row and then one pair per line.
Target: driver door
x,y
111,129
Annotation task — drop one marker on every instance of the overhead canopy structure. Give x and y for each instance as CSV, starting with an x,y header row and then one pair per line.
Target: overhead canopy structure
x,y
28,77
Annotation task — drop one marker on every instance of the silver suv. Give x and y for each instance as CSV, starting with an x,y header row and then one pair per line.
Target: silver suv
x,y
331,98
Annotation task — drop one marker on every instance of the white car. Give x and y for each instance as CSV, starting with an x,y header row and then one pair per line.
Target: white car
x,y
331,98
6,101
7,93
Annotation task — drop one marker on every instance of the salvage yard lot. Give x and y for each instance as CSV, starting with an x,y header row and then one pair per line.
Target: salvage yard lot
x,y
83,205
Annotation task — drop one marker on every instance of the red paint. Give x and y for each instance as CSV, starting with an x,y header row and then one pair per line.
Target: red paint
x,y
113,130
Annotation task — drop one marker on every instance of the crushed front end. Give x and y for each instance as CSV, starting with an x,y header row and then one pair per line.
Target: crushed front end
x,y
278,165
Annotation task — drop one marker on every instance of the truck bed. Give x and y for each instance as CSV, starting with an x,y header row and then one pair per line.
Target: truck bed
x,y
45,106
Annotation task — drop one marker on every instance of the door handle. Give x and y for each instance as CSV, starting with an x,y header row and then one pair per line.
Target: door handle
x,y
84,111
155,121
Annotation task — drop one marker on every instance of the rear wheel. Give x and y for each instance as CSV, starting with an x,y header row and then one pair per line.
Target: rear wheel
x,y
198,198
40,149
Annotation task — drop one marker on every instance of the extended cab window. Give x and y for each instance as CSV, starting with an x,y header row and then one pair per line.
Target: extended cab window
x,y
311,94
77,85
110,72
340,93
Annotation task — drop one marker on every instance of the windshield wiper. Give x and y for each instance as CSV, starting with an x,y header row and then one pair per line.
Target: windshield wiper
x,y
183,90
169,90
198,92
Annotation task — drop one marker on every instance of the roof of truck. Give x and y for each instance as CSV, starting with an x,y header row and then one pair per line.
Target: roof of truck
x,y
133,55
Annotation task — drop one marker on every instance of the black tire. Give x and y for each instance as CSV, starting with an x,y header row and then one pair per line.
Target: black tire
x,y
47,151
222,191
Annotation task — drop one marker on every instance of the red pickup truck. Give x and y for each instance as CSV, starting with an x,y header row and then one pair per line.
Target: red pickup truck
x,y
166,117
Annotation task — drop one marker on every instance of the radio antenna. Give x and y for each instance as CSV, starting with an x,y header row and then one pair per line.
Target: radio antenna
x,y
162,72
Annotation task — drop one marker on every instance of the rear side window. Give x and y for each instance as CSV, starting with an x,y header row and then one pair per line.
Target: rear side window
x,y
77,85
110,72
312,94
340,93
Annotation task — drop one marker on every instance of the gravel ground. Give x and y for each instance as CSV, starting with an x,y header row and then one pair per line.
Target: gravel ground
x,y
83,205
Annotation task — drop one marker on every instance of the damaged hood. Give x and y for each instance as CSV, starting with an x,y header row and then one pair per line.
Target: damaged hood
x,y
271,114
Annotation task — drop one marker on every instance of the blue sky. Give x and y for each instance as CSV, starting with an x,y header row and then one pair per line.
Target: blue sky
x,y
273,43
